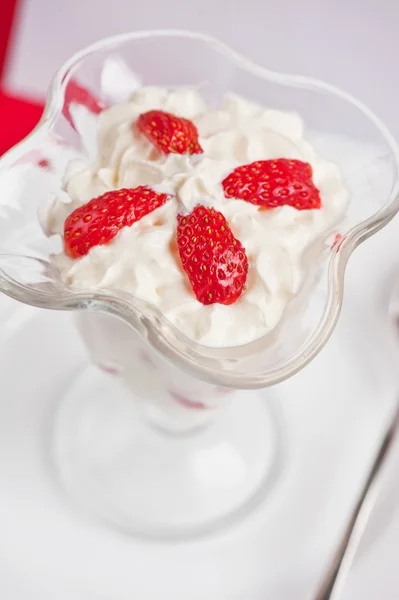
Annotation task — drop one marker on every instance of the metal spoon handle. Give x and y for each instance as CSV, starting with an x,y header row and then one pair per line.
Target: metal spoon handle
x,y
332,583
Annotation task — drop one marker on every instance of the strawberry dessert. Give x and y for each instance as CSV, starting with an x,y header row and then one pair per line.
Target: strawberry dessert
x,y
205,213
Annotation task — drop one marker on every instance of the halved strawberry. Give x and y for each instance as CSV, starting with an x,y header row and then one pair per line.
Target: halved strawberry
x,y
97,222
214,260
77,94
274,183
169,133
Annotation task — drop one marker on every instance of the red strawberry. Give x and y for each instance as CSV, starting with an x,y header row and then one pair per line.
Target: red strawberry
x,y
44,163
214,260
168,133
337,242
97,222
274,183
77,94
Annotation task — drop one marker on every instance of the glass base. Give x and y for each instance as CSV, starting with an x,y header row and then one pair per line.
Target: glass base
x,y
151,483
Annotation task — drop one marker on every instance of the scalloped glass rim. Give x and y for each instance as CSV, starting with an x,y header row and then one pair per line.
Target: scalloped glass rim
x,y
194,358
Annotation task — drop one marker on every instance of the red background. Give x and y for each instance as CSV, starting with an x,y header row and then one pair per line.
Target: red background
x,y
18,116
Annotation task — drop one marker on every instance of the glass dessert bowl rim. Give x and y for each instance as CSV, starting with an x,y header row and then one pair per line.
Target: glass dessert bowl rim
x,y
194,358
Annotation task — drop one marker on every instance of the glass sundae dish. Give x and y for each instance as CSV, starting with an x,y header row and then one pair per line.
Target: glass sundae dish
x,y
158,435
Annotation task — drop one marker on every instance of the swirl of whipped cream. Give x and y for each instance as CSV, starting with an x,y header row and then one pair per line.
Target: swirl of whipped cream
x,y
143,260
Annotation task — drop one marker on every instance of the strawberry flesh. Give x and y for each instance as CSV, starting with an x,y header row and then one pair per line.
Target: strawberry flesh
x,y
273,183
169,133
214,260
98,222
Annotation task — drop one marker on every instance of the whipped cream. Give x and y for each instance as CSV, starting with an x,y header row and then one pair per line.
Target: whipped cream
x,y
143,259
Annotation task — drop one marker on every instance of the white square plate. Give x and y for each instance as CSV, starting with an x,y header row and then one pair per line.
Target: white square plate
x,y
335,412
